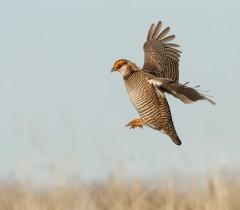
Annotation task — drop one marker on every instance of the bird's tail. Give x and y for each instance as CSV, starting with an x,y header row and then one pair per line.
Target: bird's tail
x,y
176,139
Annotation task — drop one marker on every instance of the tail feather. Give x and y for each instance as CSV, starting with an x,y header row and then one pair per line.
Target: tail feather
x,y
184,93
176,139
181,91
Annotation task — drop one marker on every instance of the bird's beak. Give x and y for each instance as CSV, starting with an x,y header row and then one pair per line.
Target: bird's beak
x,y
112,70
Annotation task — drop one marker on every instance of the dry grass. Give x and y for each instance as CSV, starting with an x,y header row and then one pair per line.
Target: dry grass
x,y
219,192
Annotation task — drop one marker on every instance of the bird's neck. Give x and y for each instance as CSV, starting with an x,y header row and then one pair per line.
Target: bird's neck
x,y
130,69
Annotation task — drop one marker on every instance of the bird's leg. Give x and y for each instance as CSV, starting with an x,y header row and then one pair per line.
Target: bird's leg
x,y
135,123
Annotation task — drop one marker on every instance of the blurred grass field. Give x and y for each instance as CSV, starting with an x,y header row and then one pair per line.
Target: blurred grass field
x,y
212,192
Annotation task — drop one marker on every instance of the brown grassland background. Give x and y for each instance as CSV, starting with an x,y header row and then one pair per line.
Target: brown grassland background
x,y
220,192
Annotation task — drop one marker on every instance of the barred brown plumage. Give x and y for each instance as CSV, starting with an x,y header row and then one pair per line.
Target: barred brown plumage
x,y
146,87
161,58
152,108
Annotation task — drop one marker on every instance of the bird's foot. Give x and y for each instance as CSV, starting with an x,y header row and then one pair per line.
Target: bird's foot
x,y
135,123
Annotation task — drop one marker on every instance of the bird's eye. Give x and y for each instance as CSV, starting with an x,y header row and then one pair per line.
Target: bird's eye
x,y
120,66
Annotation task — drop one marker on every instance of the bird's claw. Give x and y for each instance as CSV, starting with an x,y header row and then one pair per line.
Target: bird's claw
x,y
135,123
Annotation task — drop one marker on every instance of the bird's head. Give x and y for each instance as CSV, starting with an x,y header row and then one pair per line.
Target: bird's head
x,y
120,65
124,66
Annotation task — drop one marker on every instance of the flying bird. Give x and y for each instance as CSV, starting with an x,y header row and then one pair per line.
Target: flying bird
x,y
147,86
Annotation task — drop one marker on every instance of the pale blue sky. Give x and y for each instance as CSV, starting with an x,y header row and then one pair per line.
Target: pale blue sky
x,y
62,112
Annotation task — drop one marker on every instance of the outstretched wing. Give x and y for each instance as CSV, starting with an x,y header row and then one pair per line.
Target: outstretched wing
x,y
160,57
181,91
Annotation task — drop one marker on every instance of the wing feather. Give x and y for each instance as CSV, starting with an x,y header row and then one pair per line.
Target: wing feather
x,y
168,39
173,50
157,29
164,33
172,53
150,33
160,57
171,45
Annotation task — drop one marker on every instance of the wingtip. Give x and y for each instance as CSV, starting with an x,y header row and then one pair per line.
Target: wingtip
x,y
151,31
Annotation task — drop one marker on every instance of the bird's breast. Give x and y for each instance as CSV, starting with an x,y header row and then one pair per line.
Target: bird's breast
x,y
144,98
